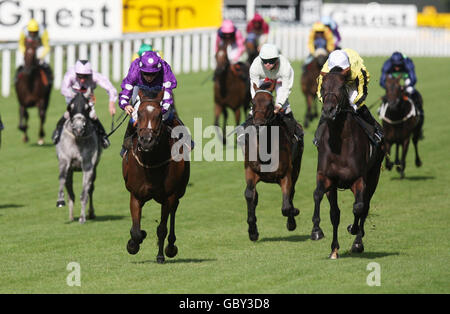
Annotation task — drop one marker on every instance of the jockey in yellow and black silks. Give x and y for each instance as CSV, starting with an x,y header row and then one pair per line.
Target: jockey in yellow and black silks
x,y
34,31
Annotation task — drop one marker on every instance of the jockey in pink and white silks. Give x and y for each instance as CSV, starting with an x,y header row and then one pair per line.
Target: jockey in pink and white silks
x,y
228,33
81,78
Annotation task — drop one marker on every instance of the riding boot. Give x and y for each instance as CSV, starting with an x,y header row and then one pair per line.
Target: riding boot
x,y
319,131
128,139
101,133
57,132
365,114
294,129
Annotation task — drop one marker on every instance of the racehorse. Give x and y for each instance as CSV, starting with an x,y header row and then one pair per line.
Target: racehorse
x,y
252,51
33,89
308,84
400,122
287,156
230,89
346,160
150,172
78,149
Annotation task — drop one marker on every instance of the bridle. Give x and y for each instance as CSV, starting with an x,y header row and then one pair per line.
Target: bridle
x,y
272,116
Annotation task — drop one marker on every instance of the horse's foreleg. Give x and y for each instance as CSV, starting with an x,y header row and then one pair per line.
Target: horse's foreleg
x,y
23,122
91,213
335,216
237,116
171,249
71,195
287,208
360,212
405,146
251,196
323,184
63,169
161,230
137,235
415,139
387,149
42,109
87,184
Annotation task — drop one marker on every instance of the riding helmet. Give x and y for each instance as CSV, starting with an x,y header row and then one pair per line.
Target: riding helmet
x,y
83,67
397,58
150,62
269,51
33,26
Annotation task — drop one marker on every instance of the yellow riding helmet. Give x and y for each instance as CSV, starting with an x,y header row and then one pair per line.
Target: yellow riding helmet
x,y
319,27
33,26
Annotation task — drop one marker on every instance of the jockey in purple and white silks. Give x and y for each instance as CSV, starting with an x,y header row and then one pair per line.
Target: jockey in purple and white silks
x,y
152,71
80,78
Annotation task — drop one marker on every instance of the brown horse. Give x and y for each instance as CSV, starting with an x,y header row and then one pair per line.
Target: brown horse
x,y
33,89
400,122
230,89
252,51
285,158
308,84
150,172
346,160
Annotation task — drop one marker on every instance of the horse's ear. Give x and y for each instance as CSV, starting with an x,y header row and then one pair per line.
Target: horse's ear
x,y
255,87
272,86
160,95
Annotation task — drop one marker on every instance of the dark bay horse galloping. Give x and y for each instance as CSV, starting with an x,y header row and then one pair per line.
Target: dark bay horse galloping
x,y
346,160
33,89
278,162
150,172
78,150
400,123
308,84
230,89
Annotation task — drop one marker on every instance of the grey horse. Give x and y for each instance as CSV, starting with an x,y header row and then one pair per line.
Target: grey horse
x,y
78,149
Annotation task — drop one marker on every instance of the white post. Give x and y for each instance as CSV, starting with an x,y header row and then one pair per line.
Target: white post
x,y
177,54
187,53
104,60
126,56
82,52
70,56
168,49
116,61
6,72
94,56
250,12
58,66
204,52
195,52
212,51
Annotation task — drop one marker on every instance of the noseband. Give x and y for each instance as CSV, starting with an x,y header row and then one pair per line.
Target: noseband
x,y
272,116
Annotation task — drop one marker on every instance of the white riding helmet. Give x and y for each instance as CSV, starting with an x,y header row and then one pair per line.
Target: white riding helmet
x,y
83,67
338,58
269,51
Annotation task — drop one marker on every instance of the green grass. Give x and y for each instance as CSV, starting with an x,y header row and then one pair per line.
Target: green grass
x,y
407,231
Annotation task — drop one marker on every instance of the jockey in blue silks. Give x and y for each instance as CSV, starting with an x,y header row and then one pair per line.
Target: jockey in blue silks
x,y
400,65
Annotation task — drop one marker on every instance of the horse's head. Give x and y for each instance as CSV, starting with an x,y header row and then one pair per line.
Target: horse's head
x,y
334,94
149,118
30,58
394,91
263,107
222,61
79,112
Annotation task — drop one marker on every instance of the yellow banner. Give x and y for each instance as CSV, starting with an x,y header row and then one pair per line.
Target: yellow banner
x,y
158,15
431,18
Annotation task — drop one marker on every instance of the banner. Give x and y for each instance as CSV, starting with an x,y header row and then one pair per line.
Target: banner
x,y
372,14
157,15
68,20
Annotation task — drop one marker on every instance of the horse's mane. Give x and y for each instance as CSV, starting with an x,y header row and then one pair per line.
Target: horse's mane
x,y
150,92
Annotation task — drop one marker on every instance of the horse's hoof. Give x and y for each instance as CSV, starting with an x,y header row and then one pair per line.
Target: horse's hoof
x,y
160,259
317,235
171,251
334,254
291,224
357,248
40,142
295,211
91,216
418,163
132,247
60,203
351,230
253,236
82,220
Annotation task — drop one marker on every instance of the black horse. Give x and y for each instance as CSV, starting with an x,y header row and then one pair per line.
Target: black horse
x,y
346,160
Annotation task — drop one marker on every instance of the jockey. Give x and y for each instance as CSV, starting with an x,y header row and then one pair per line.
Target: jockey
x,y
399,64
78,79
228,33
33,31
271,66
321,39
357,77
152,71
333,27
258,31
